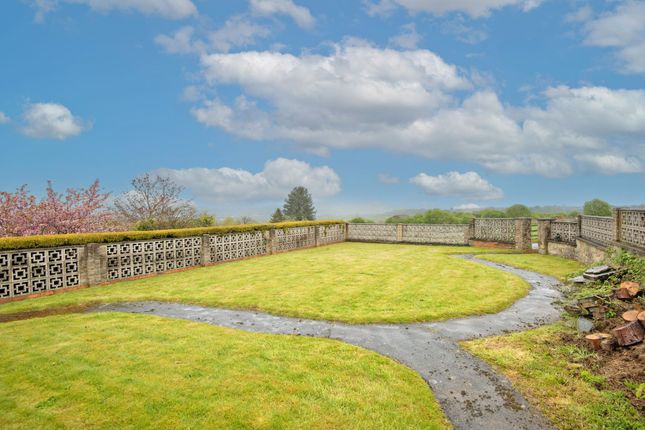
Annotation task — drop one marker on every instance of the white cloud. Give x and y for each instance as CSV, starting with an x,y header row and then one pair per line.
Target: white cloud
x,y
385,178
50,121
474,8
624,30
237,31
408,38
173,9
275,181
467,207
610,164
181,42
4,119
300,14
455,184
361,96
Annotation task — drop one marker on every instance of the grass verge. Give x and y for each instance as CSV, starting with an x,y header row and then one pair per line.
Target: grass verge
x,y
350,282
548,371
108,371
557,267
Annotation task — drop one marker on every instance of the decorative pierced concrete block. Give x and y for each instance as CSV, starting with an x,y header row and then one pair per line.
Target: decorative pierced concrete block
x,y
372,232
632,227
39,270
286,239
234,246
564,231
331,234
448,234
495,229
597,228
130,259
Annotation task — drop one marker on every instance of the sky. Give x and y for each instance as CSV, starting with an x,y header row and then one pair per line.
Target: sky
x,y
373,105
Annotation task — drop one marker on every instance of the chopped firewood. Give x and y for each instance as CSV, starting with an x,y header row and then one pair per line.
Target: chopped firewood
x,y
630,316
629,284
595,339
627,292
629,334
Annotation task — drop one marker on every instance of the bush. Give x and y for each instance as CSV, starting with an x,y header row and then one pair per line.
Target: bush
x,y
633,265
597,207
27,242
360,220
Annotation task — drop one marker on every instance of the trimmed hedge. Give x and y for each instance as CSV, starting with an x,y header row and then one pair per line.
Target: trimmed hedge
x,y
48,241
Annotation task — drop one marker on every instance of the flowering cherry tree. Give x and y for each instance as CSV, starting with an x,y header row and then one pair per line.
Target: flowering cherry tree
x,y
75,211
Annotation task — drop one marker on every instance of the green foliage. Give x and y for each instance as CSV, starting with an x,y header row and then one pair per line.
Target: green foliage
x,y
490,213
632,264
518,211
277,216
597,207
229,221
433,216
204,219
360,220
26,242
299,205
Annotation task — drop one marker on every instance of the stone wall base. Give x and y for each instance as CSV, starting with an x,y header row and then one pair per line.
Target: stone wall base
x,y
563,250
588,252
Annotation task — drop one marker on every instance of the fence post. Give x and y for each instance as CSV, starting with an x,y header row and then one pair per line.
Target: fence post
x,y
206,250
317,235
544,235
471,230
617,224
523,233
579,225
271,242
399,232
94,266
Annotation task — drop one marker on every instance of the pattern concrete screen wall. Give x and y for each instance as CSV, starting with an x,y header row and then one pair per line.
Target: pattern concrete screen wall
x,y
632,226
495,229
372,232
328,234
597,228
448,234
130,259
564,231
234,246
39,270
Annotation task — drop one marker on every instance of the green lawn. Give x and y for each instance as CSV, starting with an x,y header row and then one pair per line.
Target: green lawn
x,y
107,371
351,282
552,265
547,371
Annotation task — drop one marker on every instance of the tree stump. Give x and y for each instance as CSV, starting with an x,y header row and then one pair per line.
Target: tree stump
x,y
595,340
630,316
627,290
629,334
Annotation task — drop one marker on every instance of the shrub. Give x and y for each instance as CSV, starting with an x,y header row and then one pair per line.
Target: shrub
x,y
26,242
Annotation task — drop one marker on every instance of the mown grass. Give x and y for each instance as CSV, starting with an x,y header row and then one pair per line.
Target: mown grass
x,y
351,282
107,371
558,267
546,371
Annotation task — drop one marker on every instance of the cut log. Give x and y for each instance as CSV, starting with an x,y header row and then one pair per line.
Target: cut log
x,y
626,293
629,284
595,339
630,316
641,318
629,334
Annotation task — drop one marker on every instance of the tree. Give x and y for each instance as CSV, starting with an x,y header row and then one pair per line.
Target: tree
x,y
597,207
277,216
246,220
360,220
77,211
155,201
518,211
299,205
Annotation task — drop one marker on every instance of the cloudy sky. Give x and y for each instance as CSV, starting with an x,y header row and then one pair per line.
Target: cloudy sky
x,y
373,105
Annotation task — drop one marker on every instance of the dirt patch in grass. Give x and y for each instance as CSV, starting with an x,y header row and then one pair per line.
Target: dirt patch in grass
x,y
620,370
62,310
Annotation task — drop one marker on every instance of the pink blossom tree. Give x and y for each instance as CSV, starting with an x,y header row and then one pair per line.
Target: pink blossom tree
x,y
77,211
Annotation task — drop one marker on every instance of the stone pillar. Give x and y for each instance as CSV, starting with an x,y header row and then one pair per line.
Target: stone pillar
x,y
523,233
271,242
317,234
470,231
95,264
617,224
399,232
544,235
206,250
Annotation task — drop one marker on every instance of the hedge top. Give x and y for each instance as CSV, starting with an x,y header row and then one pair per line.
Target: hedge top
x,y
47,241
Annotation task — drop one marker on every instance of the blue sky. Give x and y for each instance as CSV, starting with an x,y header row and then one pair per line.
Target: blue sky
x,y
373,105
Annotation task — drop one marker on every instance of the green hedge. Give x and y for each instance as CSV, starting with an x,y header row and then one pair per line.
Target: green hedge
x,y
27,242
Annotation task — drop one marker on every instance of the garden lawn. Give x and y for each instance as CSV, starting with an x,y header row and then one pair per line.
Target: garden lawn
x,y
351,282
547,371
557,267
112,370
